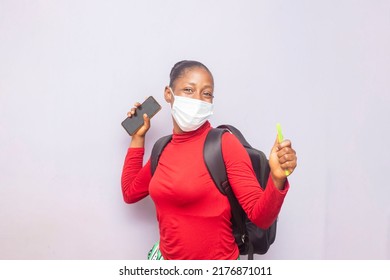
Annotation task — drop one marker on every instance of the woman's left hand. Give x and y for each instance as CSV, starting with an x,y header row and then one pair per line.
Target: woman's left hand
x,y
282,161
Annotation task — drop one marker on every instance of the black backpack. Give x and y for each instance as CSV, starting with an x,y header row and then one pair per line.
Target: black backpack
x,y
249,238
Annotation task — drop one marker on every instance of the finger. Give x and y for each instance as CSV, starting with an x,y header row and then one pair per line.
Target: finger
x,y
289,165
146,121
285,151
285,143
286,158
133,110
288,171
131,113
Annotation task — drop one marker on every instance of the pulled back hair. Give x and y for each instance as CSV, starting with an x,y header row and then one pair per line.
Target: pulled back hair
x,y
179,69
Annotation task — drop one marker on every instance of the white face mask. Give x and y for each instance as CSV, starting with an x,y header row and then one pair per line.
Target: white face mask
x,y
190,113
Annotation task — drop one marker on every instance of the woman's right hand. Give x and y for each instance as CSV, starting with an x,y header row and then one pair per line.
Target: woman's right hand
x,y
138,139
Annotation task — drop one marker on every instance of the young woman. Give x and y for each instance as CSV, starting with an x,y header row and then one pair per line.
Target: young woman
x,y
194,217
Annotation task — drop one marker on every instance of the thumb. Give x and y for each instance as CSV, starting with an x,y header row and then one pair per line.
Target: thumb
x,y
146,121
276,146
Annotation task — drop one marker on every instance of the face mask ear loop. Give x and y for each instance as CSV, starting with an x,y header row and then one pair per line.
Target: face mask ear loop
x,y
173,95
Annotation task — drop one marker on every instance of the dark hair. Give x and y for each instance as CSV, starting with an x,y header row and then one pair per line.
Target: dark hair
x,y
181,67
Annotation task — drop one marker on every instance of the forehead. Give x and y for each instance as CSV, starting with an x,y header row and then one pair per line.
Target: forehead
x,y
196,75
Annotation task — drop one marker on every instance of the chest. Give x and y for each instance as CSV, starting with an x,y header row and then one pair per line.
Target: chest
x,y
182,179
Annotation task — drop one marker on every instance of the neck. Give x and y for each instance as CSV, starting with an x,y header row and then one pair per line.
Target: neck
x,y
176,127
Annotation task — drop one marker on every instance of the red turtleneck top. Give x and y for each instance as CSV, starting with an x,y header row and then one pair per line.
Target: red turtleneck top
x,y
194,217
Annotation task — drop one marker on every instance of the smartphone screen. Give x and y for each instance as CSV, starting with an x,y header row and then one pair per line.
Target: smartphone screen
x,y
150,107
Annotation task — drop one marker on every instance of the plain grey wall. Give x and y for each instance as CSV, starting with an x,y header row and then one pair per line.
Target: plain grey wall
x,y
70,70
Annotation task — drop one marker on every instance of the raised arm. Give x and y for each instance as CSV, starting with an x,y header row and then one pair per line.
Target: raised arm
x,y
262,207
135,178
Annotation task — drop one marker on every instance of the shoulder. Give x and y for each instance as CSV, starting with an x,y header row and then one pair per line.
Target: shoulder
x,y
234,154
231,145
230,139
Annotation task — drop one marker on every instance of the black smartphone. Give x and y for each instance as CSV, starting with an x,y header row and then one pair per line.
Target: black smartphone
x,y
150,107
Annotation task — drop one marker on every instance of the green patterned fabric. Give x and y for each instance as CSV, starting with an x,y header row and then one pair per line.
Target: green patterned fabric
x,y
155,253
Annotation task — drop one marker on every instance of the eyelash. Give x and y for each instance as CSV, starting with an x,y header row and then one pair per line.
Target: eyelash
x,y
206,94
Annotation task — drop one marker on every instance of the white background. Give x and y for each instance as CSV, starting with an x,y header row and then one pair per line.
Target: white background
x,y
70,70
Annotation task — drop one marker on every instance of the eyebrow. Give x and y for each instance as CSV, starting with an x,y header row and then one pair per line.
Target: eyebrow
x,y
207,86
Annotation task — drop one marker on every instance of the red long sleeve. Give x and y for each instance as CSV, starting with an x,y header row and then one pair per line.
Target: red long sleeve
x,y
261,207
135,179
194,217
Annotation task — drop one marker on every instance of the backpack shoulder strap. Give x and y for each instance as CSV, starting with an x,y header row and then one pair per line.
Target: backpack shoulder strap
x,y
213,158
158,147
259,162
212,154
237,133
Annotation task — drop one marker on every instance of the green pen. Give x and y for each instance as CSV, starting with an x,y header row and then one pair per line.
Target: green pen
x,y
280,139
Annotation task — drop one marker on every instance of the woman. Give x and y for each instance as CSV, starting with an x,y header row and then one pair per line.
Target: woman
x,y
194,217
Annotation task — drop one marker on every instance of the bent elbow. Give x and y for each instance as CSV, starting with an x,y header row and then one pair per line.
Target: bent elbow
x,y
263,222
266,224
129,199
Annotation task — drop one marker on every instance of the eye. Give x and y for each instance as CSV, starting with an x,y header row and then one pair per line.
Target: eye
x,y
208,95
188,90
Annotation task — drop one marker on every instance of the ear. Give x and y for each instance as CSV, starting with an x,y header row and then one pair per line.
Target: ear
x,y
168,95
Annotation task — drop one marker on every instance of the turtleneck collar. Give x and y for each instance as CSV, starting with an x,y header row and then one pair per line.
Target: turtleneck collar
x,y
186,136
